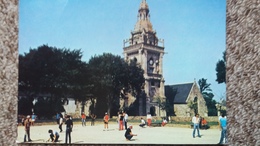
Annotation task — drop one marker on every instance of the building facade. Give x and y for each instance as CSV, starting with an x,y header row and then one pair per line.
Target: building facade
x,y
183,96
144,47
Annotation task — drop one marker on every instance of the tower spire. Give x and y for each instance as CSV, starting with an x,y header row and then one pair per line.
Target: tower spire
x,y
144,49
143,21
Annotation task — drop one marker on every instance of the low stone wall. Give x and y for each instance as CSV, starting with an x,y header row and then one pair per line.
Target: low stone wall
x,y
176,119
188,119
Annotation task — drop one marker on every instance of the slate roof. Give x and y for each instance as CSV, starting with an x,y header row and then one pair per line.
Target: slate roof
x,y
181,92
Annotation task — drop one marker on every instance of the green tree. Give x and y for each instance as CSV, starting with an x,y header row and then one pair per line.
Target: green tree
x,y
221,69
25,106
193,105
110,75
49,71
208,96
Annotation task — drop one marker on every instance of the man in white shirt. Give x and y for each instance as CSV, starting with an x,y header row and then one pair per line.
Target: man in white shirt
x,y
142,123
196,121
125,119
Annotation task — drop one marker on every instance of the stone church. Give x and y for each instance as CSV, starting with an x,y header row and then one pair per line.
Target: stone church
x,y
148,50
144,47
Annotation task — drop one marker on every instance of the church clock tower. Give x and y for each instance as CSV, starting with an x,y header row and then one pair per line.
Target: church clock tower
x,y
145,47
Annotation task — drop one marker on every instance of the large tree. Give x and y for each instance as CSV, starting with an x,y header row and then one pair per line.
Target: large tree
x,y
208,96
221,69
51,72
110,76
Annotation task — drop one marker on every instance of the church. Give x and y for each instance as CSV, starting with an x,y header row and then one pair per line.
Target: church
x,y
147,50
145,47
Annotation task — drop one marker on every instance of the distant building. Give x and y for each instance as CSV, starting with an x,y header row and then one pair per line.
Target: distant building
x,y
185,93
147,50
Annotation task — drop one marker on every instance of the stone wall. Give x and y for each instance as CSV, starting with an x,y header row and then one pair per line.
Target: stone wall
x,y
173,118
182,110
8,71
243,72
202,107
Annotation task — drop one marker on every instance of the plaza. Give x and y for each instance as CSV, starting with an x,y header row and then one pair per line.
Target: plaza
x,y
97,135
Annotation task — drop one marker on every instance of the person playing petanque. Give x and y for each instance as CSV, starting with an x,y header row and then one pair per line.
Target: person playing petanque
x,y
129,134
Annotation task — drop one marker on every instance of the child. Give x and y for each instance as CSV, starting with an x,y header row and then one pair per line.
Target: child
x,y
106,119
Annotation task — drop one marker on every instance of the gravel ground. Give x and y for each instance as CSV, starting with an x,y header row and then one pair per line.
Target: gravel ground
x,y
149,135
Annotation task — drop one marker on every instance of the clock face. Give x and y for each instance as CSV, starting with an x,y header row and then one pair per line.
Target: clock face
x,y
151,62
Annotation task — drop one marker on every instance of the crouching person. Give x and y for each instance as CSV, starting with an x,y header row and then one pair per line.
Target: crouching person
x,y
142,123
129,134
164,122
54,136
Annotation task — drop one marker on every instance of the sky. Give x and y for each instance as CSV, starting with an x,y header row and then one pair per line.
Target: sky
x,y
194,32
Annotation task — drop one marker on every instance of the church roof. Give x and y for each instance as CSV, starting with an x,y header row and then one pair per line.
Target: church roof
x,y
181,92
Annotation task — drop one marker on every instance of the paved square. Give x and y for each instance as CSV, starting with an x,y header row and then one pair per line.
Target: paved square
x,y
150,135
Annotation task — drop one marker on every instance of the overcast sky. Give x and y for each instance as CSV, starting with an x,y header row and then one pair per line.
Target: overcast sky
x,y
194,32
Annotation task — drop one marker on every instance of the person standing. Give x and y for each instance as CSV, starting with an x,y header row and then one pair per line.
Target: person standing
x,y
27,124
69,126
223,124
129,134
196,121
54,136
93,117
33,118
83,119
121,119
125,119
219,117
58,118
106,119
60,123
149,119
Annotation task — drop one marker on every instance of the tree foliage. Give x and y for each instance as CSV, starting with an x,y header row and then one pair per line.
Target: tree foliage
x,y
51,72
25,106
52,75
110,76
208,96
221,69
193,105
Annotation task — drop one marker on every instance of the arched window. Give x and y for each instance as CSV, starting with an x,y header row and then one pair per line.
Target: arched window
x,y
152,111
195,102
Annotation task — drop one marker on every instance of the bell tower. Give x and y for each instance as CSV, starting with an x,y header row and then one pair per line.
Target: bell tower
x,y
145,47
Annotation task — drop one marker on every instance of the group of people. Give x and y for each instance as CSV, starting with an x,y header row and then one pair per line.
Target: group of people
x,y
149,121
122,120
54,135
196,120
84,118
